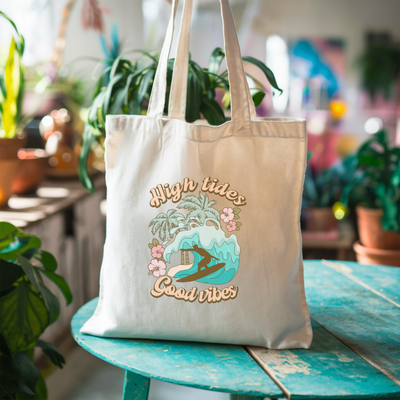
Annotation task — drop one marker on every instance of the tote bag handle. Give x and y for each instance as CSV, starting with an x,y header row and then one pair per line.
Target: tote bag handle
x,y
241,103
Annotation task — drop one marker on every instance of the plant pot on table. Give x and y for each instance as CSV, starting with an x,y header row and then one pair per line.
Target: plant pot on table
x,y
10,164
378,246
319,219
33,165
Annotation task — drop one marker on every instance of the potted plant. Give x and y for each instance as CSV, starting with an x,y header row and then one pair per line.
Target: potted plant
x,y
27,308
129,87
377,176
321,195
25,165
11,93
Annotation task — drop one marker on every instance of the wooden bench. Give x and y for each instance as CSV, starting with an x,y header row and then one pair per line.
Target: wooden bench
x,y
355,312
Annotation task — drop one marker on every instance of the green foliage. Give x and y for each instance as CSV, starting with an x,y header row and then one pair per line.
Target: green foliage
x,y
376,176
129,88
380,66
12,85
324,188
27,308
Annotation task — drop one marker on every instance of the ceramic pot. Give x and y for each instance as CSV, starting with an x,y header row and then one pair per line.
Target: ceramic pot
x,y
320,219
371,232
369,255
9,165
33,164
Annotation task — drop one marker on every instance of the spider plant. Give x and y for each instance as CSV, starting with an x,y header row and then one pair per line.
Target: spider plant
x,y
129,88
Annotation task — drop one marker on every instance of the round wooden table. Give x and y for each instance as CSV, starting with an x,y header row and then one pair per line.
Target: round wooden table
x,y
355,312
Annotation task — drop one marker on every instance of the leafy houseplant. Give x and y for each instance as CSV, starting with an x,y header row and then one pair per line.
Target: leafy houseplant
x,y
12,84
377,176
129,87
321,194
27,308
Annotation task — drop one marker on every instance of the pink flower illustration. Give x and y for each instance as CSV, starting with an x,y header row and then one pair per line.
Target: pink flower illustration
x,y
157,268
231,226
157,251
227,214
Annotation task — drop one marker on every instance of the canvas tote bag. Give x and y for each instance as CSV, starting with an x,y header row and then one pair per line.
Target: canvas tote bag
x,y
203,239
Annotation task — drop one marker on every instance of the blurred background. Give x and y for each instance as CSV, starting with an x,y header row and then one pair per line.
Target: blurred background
x,y
336,62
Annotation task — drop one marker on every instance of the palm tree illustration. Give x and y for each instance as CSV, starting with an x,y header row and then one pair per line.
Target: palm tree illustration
x,y
167,224
201,209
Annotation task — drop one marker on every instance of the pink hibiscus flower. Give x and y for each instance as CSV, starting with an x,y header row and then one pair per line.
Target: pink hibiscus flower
x,y
157,251
157,268
231,226
227,214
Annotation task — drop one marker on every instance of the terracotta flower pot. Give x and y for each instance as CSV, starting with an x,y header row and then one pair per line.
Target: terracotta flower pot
x,y
371,232
369,255
320,219
9,165
32,170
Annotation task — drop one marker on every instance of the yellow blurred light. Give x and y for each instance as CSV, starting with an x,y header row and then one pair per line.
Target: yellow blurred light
x,y
338,108
339,210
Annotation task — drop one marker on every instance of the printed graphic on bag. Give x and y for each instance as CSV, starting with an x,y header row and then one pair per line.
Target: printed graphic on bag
x,y
202,235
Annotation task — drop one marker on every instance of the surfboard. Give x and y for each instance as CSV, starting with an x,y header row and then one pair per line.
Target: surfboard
x,y
201,274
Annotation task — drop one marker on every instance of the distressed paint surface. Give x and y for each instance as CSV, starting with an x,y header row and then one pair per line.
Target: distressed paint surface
x,y
221,368
328,370
364,321
385,280
136,387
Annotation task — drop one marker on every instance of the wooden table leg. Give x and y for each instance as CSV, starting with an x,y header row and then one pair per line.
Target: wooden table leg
x,y
136,387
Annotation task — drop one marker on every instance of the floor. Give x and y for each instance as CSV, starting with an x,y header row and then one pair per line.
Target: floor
x,y
85,377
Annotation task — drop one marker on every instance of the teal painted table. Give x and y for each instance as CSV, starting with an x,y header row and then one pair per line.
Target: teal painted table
x,y
355,354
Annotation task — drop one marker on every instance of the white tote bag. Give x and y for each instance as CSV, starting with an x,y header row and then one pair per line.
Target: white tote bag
x,y
203,236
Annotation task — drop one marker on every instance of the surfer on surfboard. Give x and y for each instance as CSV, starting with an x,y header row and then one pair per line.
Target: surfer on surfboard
x,y
206,257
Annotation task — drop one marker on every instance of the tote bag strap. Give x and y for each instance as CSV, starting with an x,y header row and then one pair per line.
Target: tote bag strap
x,y
177,100
241,103
157,96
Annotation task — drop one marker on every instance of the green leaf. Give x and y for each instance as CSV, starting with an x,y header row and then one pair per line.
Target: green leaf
x,y
201,75
193,98
51,351
87,140
27,370
236,210
41,389
258,98
98,88
60,282
25,242
236,217
9,273
238,224
23,317
51,301
29,271
4,349
151,245
215,61
6,228
155,242
212,112
144,85
267,72
117,102
47,260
